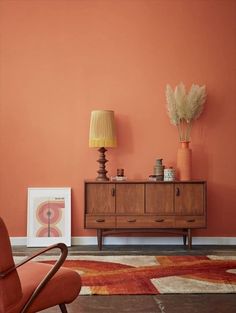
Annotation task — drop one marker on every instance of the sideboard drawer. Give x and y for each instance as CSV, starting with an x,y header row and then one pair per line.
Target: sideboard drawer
x,y
162,221
137,221
190,221
100,221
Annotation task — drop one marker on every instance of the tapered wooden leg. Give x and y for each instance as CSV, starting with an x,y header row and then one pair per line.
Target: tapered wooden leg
x,y
63,308
189,238
184,237
99,238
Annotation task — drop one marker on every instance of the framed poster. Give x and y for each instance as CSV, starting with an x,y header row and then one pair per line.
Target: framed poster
x,y
49,216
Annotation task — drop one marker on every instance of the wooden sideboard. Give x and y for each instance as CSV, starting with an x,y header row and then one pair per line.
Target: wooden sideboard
x,y
135,206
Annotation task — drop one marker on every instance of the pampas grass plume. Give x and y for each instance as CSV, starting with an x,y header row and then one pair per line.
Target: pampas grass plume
x,y
183,108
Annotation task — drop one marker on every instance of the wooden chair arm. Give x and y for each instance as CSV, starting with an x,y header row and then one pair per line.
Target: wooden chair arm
x,y
13,268
50,274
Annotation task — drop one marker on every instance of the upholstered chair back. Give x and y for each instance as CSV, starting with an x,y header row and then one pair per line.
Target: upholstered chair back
x,y
10,287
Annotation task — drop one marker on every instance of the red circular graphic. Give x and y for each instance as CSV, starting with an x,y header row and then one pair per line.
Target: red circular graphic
x,y
53,232
49,211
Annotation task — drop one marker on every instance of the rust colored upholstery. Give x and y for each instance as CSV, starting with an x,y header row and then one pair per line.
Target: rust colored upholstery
x,y
10,287
18,283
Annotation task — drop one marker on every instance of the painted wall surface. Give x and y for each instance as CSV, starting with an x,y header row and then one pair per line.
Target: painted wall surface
x,y
61,59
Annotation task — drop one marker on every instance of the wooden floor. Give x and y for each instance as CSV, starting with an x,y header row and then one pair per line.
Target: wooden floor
x,y
199,303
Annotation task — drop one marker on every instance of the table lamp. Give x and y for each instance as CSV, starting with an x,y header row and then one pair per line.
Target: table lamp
x,y
102,135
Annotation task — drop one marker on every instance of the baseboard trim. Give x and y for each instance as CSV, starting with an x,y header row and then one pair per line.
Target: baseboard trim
x,y
22,241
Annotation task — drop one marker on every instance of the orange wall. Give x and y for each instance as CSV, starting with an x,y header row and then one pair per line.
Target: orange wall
x,y
61,59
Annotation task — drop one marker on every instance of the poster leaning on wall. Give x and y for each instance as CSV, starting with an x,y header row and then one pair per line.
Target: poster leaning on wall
x,y
49,216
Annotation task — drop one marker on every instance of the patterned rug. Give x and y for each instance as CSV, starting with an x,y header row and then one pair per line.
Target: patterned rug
x,y
132,275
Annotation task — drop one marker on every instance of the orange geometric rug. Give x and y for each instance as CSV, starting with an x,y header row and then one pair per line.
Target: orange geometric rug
x,y
133,275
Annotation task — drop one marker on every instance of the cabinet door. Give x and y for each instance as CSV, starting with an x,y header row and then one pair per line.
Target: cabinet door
x,y
130,198
100,198
159,198
189,199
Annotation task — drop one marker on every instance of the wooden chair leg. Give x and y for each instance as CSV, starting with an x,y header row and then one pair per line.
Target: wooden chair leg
x,y
63,308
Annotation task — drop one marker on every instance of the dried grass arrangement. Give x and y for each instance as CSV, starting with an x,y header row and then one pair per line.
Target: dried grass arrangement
x,y
183,108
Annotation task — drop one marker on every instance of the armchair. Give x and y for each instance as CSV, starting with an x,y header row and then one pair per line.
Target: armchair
x,y
30,287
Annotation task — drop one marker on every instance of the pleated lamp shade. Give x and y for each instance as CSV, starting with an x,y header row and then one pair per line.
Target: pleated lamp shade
x,y
102,129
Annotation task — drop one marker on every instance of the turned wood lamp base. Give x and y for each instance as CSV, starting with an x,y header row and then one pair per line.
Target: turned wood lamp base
x,y
102,172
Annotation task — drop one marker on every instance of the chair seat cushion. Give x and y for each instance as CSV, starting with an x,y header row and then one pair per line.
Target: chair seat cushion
x,y
64,287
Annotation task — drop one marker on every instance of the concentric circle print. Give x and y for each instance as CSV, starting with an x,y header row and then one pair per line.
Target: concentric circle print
x,y
49,215
49,211
54,232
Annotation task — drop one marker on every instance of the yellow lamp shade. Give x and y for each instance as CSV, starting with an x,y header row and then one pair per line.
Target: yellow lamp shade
x,y
102,129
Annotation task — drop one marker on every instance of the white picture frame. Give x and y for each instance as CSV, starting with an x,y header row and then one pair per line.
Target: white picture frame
x,y
48,216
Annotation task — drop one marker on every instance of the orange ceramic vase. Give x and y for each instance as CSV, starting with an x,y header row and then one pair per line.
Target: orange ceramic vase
x,y
184,161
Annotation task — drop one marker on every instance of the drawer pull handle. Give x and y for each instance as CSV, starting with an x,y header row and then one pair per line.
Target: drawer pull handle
x,y
113,192
191,221
132,221
100,220
177,192
159,221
